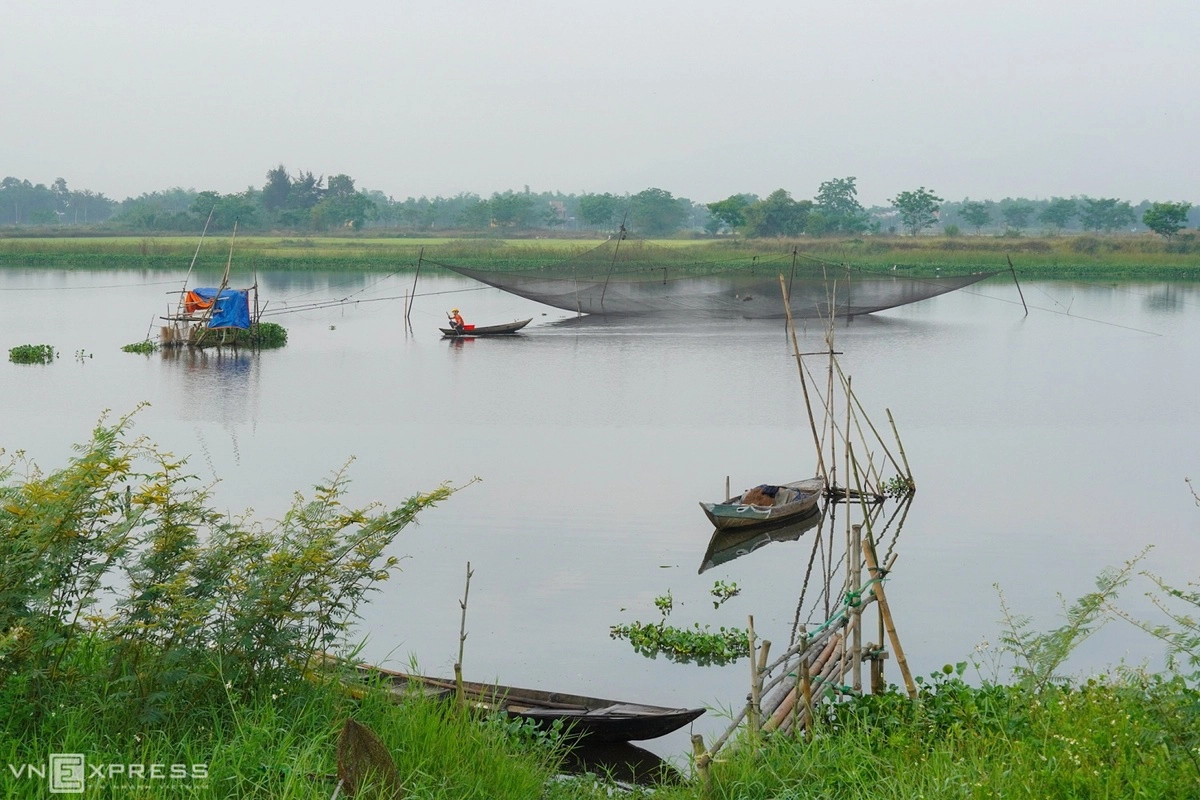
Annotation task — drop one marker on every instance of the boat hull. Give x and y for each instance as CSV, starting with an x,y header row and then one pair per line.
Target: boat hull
x,y
593,719
486,330
733,514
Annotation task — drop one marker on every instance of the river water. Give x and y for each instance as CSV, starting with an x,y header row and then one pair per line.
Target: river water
x,y
1045,448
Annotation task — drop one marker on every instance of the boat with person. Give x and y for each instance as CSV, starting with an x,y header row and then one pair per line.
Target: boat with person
x,y
766,504
590,719
486,330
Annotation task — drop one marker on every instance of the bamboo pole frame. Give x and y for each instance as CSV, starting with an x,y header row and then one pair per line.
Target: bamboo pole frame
x,y
888,623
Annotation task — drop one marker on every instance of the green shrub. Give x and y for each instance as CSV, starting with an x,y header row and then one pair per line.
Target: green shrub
x,y
193,599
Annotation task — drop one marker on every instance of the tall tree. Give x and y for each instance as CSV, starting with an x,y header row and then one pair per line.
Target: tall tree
x,y
306,191
598,210
512,209
656,212
339,186
476,213
275,191
1106,214
1058,212
918,209
1018,213
731,212
975,213
837,203
226,209
777,215
1166,219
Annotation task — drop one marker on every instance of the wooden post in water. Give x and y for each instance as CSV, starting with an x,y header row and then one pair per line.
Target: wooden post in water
x,y
408,308
1018,283
888,622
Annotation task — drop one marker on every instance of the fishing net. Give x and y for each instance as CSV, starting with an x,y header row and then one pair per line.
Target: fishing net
x,y
626,275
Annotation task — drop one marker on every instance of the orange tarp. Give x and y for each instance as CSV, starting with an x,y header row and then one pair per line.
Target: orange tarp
x,y
194,302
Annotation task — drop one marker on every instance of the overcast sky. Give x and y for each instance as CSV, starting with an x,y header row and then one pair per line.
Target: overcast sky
x,y
1024,98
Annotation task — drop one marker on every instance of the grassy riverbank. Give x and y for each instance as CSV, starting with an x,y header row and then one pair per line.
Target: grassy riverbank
x,y
168,645
1082,256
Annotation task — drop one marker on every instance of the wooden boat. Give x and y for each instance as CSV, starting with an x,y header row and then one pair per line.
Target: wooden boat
x,y
589,719
788,501
726,545
486,330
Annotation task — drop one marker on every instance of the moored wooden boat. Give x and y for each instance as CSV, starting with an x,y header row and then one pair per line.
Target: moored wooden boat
x,y
786,501
591,719
486,330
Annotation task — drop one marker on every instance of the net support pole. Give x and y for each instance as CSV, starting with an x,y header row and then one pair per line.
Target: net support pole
x,y
413,296
1013,270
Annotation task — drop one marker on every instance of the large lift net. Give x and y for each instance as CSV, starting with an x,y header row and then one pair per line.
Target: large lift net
x,y
625,275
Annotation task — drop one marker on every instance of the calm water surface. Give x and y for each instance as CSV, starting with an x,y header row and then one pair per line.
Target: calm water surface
x,y
1045,448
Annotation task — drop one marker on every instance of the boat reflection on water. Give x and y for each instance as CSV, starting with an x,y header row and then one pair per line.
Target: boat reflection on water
x,y
727,545
621,763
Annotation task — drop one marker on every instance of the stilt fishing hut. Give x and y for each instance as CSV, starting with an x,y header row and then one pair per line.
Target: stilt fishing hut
x,y
218,316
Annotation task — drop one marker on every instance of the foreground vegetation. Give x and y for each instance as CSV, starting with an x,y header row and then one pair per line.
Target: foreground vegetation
x,y
1057,257
141,627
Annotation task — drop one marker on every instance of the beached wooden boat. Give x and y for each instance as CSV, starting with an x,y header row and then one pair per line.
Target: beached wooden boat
x,y
486,330
591,719
765,504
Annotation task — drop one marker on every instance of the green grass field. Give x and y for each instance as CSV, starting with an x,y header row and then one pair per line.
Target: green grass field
x,y
1079,256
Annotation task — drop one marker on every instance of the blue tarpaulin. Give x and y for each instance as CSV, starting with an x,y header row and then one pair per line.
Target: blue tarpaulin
x,y
232,307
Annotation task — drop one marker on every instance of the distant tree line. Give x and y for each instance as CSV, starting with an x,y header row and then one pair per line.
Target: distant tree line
x,y
304,201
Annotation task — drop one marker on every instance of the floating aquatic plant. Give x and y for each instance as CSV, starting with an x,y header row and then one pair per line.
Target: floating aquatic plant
x,y
31,354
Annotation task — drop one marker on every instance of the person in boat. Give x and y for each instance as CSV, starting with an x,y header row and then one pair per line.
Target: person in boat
x,y
456,320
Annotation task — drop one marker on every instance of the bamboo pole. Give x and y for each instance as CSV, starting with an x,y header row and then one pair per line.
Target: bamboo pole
x,y
812,424
408,306
806,696
1018,283
856,648
888,622
853,398
823,676
755,686
798,690
703,758
462,638
900,446
814,662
